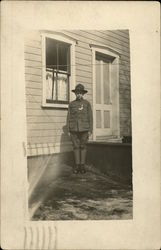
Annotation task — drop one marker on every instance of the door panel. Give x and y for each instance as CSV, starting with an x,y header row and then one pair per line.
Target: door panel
x,y
103,105
107,119
98,81
98,119
106,83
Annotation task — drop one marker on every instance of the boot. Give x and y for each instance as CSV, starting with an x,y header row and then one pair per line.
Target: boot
x,y
76,169
77,160
83,159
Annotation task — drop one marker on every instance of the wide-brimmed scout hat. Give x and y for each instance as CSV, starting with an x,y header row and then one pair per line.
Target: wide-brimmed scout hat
x,y
79,88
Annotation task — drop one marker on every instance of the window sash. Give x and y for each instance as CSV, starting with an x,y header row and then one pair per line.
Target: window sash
x,y
57,76
61,61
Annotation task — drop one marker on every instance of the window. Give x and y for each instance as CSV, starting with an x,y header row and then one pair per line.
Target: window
x,y
58,70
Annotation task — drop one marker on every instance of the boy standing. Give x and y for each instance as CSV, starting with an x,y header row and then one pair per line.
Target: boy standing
x,y
80,126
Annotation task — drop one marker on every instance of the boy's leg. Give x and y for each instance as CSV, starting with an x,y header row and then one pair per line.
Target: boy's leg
x,y
83,142
76,149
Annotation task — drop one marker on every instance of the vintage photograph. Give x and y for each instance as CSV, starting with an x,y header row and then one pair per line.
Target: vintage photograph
x,y
80,125
79,131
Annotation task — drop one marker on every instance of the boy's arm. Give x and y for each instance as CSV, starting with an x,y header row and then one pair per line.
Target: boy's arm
x,y
90,113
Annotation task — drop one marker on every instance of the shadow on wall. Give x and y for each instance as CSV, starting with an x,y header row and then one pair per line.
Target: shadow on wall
x,y
55,164
113,159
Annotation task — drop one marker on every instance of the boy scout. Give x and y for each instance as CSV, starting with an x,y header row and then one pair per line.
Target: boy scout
x,y
80,126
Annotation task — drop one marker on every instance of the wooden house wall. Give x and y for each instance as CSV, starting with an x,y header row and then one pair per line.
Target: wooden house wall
x,y
45,125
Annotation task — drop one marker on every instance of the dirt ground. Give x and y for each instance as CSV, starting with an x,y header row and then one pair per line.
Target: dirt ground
x,y
62,195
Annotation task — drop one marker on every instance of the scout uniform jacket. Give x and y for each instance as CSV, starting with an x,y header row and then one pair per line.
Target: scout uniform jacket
x,y
80,117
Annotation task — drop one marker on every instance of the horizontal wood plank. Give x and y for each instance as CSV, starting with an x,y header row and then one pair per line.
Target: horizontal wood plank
x,y
33,43
115,43
32,57
33,71
84,56
33,50
33,91
115,35
83,50
56,126
35,85
84,79
50,139
47,119
83,73
33,64
88,37
30,98
51,112
33,78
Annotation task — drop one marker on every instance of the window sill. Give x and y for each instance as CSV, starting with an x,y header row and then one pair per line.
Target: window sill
x,y
54,105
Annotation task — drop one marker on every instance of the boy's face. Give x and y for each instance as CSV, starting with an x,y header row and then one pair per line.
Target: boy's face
x,y
79,95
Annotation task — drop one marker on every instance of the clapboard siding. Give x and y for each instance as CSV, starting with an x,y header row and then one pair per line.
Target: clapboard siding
x,y
46,139
33,99
83,73
115,35
34,92
111,38
33,71
33,105
125,89
123,33
46,112
83,56
45,133
85,79
46,119
33,43
33,64
33,50
45,125
36,85
81,67
83,50
89,37
32,57
96,37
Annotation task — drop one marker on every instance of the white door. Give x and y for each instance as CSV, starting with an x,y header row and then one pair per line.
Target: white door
x,y
103,104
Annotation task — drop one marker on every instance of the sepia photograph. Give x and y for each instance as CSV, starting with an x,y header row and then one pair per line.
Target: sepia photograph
x,y
80,125
78,113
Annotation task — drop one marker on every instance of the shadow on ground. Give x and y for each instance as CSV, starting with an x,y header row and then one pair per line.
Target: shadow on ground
x,y
61,195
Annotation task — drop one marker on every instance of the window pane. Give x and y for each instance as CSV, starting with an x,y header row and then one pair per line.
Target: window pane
x,y
54,88
106,119
98,82
51,53
50,86
106,82
62,87
63,57
49,83
98,119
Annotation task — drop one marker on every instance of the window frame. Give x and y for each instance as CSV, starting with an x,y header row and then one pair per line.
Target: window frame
x,y
72,43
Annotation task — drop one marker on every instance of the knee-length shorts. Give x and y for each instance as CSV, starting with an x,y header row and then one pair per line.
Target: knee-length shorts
x,y
79,139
